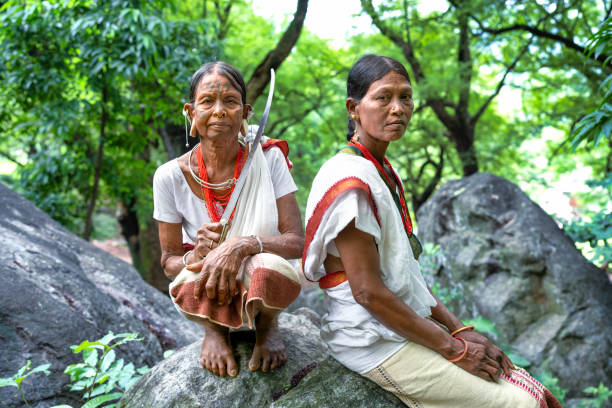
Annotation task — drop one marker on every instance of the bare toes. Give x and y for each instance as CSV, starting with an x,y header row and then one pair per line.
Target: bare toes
x,y
254,363
221,366
275,362
232,367
265,366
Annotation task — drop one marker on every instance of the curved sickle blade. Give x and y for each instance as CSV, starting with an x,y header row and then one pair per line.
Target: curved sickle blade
x,y
245,170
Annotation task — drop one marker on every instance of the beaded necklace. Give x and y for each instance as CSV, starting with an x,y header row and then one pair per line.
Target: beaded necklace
x,y
216,201
405,215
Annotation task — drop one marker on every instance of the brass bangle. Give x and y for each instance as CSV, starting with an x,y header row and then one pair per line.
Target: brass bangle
x,y
185,257
465,349
456,332
259,242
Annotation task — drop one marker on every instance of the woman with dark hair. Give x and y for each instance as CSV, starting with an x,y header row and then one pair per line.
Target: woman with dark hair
x,y
245,279
382,320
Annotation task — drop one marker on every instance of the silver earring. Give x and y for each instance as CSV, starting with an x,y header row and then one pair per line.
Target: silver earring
x,y
185,114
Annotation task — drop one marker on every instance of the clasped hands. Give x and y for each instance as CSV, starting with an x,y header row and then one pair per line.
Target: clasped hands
x,y
484,359
218,263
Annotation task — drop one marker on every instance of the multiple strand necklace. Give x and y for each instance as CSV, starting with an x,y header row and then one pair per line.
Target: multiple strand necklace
x,y
216,201
399,198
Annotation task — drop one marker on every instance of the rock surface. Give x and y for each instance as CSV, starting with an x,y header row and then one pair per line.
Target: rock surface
x,y
59,290
309,379
519,270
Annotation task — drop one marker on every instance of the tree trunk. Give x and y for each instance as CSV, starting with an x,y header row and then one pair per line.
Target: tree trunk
x,y
261,75
130,229
143,241
98,167
150,255
173,139
464,144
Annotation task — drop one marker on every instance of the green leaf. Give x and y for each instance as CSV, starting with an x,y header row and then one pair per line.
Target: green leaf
x,y
518,359
88,345
108,360
23,369
7,382
90,356
96,402
482,325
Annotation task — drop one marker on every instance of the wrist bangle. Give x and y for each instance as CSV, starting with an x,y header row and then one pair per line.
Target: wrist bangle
x,y
465,349
259,242
185,257
454,333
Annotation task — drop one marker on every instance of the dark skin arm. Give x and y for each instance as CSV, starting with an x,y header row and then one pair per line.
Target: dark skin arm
x,y
440,313
220,264
359,257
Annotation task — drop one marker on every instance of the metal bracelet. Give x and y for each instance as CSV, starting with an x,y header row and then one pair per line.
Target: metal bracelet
x,y
185,257
259,242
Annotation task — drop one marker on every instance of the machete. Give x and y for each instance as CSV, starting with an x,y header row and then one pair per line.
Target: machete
x,y
227,213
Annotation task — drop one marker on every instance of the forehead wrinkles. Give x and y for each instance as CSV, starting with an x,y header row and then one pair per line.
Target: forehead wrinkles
x,y
217,84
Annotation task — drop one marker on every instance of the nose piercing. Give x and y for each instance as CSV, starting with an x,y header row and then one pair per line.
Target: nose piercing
x,y
219,115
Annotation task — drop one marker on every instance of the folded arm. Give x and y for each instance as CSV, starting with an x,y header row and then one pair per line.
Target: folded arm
x,y
359,257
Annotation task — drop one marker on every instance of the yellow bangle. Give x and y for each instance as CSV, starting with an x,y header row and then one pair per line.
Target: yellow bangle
x,y
465,348
456,332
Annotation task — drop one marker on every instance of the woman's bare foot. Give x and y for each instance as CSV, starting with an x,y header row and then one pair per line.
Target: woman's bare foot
x,y
217,355
269,351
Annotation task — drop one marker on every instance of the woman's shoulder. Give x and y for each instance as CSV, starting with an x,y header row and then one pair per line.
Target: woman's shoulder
x,y
167,172
345,164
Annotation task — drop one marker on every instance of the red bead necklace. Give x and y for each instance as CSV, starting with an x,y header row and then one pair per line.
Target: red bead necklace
x,y
216,201
405,215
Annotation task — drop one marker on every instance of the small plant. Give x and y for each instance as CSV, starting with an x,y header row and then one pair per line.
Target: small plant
x,y
601,395
552,383
22,374
430,261
104,377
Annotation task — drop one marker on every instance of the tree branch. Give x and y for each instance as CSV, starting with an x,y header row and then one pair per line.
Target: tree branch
x,y
500,84
261,75
404,44
223,16
431,186
537,32
465,64
437,104
10,158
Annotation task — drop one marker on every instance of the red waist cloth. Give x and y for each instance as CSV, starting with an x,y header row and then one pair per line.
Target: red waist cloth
x,y
332,279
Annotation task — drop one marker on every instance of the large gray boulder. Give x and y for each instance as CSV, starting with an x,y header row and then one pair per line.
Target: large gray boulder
x,y
309,378
58,290
517,268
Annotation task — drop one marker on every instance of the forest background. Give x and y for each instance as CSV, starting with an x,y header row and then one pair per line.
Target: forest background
x,y
91,94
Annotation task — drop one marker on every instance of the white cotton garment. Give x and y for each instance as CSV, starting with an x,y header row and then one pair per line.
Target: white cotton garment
x,y
354,336
174,202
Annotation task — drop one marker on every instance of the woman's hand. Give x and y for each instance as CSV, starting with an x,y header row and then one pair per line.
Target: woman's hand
x,y
206,240
491,349
478,363
220,268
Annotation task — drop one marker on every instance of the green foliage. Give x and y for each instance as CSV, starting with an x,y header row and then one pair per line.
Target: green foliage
x,y
24,372
552,383
482,325
430,261
515,357
597,232
80,76
595,227
600,394
104,377
598,124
